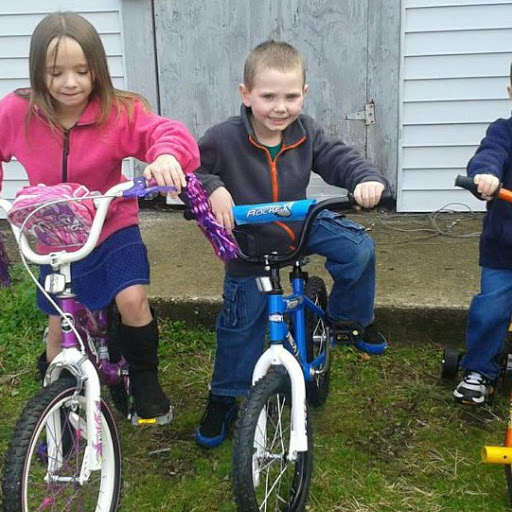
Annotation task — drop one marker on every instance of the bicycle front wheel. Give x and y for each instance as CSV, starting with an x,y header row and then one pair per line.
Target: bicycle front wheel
x,y
263,476
46,453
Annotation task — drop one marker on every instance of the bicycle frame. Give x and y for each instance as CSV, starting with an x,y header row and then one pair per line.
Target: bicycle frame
x,y
293,305
80,357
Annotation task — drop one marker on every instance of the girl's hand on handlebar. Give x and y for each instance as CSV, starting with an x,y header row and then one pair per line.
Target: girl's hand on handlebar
x,y
368,193
221,204
487,185
166,171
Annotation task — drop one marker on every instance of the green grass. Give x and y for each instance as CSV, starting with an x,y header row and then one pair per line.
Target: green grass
x,y
388,440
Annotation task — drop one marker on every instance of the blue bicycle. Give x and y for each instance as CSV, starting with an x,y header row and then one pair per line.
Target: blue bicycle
x,y
273,441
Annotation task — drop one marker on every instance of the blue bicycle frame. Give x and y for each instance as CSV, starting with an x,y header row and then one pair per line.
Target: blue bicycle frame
x,y
295,306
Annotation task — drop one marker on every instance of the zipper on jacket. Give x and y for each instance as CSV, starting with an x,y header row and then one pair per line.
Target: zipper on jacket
x,y
274,181
273,168
273,163
65,153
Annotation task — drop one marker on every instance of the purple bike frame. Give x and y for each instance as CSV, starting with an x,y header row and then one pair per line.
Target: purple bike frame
x,y
91,325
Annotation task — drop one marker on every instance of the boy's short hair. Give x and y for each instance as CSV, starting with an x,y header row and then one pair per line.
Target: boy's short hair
x,y
274,55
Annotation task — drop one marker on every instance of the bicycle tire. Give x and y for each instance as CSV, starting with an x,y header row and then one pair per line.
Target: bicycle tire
x,y
450,363
283,484
508,476
119,397
317,339
27,460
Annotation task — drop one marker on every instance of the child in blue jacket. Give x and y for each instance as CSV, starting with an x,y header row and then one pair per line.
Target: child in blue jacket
x,y
491,309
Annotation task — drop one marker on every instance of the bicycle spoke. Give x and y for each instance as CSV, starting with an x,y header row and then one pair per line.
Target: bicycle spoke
x,y
45,465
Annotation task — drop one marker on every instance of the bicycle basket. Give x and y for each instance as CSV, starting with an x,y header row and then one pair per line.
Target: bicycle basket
x,y
57,216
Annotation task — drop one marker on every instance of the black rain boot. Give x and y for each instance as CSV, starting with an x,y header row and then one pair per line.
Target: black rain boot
x,y
140,347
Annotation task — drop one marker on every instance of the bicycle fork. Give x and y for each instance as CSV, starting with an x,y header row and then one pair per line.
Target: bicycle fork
x,y
275,355
278,355
87,378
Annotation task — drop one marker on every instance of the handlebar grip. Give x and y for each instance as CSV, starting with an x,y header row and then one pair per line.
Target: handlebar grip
x,y
468,183
386,200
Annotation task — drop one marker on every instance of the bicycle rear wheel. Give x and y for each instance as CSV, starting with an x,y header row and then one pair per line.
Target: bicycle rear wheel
x,y
46,453
263,477
317,339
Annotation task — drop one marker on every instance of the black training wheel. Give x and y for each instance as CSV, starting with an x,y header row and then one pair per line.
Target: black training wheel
x,y
450,363
506,383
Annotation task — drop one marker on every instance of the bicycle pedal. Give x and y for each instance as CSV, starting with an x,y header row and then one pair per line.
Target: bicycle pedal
x,y
159,420
347,334
342,337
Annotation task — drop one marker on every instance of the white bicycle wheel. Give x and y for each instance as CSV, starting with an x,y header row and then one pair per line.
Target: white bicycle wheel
x,y
263,476
46,453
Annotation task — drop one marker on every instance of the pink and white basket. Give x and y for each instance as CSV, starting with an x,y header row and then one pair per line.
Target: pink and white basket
x,y
57,216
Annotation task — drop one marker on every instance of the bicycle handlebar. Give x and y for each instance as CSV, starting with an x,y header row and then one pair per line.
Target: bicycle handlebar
x,y
469,184
339,203
307,209
131,188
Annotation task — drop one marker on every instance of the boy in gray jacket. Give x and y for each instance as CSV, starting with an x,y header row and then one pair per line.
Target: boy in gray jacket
x,y
266,154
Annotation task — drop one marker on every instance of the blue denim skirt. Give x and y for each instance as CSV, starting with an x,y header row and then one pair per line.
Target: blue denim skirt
x,y
119,262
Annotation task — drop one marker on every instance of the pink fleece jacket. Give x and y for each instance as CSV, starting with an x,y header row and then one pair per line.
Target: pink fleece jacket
x,y
92,155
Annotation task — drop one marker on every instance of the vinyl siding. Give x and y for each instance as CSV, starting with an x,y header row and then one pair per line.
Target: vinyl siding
x,y
456,58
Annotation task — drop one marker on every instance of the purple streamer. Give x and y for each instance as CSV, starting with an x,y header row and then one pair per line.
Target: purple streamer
x,y
223,244
5,278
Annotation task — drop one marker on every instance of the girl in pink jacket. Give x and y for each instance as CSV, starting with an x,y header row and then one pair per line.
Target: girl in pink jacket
x,y
73,126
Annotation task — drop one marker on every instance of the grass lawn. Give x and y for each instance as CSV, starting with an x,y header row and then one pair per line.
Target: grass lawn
x,y
388,439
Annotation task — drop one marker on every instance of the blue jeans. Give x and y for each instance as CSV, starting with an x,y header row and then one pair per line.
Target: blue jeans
x,y
242,323
488,321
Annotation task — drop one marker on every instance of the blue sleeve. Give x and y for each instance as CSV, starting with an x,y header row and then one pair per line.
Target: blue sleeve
x,y
493,154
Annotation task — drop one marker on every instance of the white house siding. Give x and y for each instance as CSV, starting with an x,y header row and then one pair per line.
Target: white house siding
x,y
17,22
456,58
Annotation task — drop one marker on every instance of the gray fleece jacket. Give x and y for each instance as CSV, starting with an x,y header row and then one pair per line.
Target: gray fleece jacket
x,y
232,156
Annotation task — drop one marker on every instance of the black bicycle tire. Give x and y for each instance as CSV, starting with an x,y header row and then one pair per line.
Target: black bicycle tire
x,y
508,476
23,436
276,382
317,390
119,397
450,363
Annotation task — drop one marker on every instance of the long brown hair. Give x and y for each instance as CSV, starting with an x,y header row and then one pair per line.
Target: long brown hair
x,y
69,24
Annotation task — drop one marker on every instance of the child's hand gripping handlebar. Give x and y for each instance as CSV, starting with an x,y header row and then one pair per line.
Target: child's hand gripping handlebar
x,y
468,183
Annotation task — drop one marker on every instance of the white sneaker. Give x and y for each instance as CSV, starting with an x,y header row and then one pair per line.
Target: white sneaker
x,y
474,388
